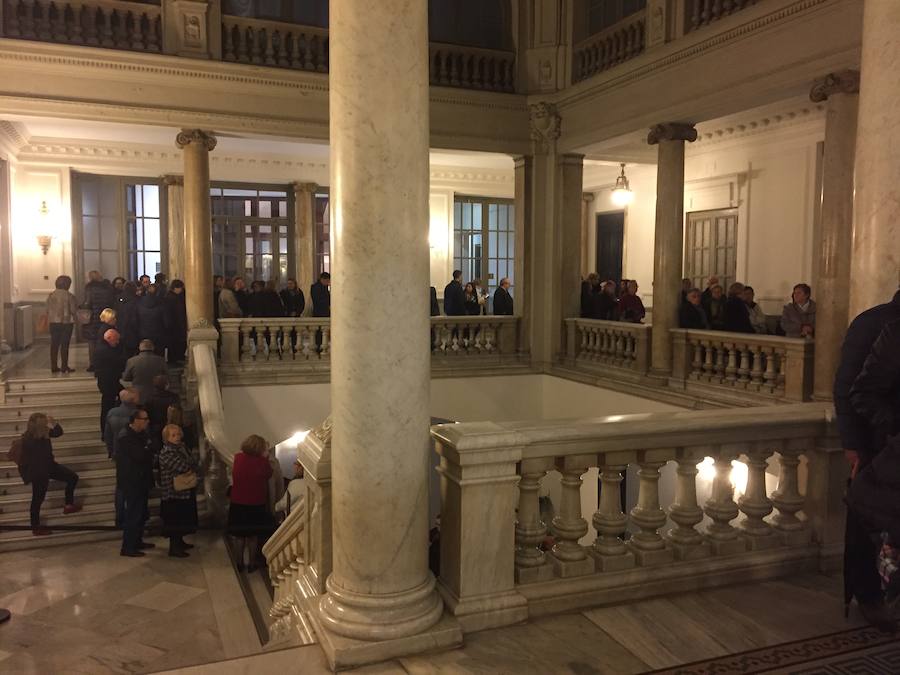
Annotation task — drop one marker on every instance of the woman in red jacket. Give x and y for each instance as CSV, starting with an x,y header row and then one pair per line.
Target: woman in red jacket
x,y
248,514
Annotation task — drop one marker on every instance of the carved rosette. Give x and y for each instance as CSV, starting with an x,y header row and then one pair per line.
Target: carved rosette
x,y
842,82
187,136
672,131
546,124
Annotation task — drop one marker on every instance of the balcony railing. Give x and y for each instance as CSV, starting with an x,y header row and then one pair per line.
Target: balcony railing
x,y
700,13
618,43
500,570
471,68
99,23
599,346
274,43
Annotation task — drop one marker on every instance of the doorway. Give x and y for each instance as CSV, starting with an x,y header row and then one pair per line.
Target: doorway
x,y
610,238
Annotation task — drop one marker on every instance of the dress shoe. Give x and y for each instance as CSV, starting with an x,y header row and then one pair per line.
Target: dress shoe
x,y
68,370
71,508
178,553
133,554
54,370
41,531
877,614
145,545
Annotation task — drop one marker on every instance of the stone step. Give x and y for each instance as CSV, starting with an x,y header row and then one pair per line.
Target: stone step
x,y
95,488
72,382
48,399
76,404
79,432
74,417
80,464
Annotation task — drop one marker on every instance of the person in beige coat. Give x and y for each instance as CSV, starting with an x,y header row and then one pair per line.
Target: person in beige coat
x,y
61,311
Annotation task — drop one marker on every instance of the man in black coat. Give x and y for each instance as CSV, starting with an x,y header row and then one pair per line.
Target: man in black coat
x,y
176,322
292,299
109,363
858,440
737,316
503,301
433,301
691,315
320,294
134,477
455,296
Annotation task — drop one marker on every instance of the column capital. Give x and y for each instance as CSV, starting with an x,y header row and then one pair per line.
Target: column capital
x,y
304,187
841,82
546,124
587,197
671,131
187,136
173,179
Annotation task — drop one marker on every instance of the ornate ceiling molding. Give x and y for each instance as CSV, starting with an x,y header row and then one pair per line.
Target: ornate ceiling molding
x,y
711,133
12,137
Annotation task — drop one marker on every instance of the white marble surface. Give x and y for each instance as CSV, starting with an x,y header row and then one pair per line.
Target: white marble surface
x,y
380,587
875,264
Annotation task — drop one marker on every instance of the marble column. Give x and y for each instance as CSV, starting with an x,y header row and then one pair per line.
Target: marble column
x,y
305,236
175,225
196,145
668,245
875,258
841,91
587,222
381,598
524,183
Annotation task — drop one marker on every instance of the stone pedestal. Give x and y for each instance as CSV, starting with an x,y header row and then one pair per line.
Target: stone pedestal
x,y
875,261
668,246
175,225
305,237
841,91
381,600
197,145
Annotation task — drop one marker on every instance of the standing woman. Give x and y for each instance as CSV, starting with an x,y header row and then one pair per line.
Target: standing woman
x,y
470,302
39,467
248,514
61,311
178,508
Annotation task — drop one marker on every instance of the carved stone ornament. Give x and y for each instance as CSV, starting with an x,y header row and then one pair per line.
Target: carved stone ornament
x,y
300,188
323,431
672,131
842,82
187,136
173,179
202,323
545,124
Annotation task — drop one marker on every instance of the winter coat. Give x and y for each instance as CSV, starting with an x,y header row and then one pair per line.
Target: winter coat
x,y
98,295
862,333
127,321
503,302
37,457
692,317
757,318
140,371
229,307
176,318
603,306
631,308
293,301
432,299
794,317
134,461
152,320
454,299
116,419
737,317
321,299
109,363
715,312
175,460
874,494
471,306
876,392
61,307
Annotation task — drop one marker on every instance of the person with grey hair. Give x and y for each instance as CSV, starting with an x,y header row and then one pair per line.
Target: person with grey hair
x,y
503,301
108,364
141,369
117,418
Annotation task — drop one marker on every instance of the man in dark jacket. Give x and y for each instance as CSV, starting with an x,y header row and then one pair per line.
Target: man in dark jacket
x,y
433,301
692,315
320,294
858,440
141,370
455,296
176,322
134,477
109,362
152,319
503,301
292,299
737,316
98,295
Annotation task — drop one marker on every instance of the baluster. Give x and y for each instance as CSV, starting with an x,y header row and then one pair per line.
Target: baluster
x,y
256,48
782,369
756,371
488,336
531,563
727,6
495,69
58,22
304,341
135,25
648,546
86,25
120,30
770,375
154,34
455,337
731,367
754,503
325,351
269,50
697,362
454,69
716,9
245,342
585,339
685,540
27,22
281,39
568,557
721,508
261,347
106,29
708,365
308,53
609,549
11,15
787,498
598,343
628,352
467,70
43,20
721,360
510,81
620,347
295,51
228,43
440,67
321,57
705,13
744,367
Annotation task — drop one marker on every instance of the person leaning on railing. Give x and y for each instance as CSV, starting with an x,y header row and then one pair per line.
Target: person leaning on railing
x,y
691,315
798,318
503,301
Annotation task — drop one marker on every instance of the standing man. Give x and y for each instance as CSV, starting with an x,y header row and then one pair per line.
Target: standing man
x,y
109,362
320,292
140,370
455,296
503,301
134,477
292,299
861,579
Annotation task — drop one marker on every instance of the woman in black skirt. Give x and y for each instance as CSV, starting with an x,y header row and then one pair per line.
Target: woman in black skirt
x,y
248,515
178,508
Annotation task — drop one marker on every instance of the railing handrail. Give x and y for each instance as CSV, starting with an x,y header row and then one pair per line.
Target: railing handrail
x,y
317,321
212,409
626,22
152,10
282,26
629,325
727,336
446,46
635,432
293,523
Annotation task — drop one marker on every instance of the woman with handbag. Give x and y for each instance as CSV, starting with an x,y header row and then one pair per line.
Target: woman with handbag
x,y
62,309
178,470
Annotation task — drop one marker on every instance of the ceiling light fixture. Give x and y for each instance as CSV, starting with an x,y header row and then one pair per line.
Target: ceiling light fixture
x,y
622,194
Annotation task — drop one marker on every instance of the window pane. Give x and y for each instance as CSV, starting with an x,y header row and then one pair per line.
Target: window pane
x,y
476,217
265,209
89,199
129,199
151,201
282,209
272,193
232,192
492,216
501,245
152,263
109,264
109,198
152,241
91,260
109,232
248,207
282,246
467,216
91,233
492,245
248,245
265,229
265,246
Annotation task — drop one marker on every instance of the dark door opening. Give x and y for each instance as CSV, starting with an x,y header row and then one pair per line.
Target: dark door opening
x,y
610,234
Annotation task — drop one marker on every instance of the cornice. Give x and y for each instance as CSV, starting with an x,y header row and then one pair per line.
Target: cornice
x,y
464,175
709,134
646,63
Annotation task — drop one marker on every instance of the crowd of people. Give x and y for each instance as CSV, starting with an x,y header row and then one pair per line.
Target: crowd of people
x,y
611,301
471,298
233,300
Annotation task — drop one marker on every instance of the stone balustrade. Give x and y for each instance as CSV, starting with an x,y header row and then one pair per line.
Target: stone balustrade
x,y
472,68
274,43
700,13
593,345
765,366
99,23
499,570
618,43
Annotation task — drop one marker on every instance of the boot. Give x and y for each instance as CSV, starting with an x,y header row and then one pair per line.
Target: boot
x,y
175,551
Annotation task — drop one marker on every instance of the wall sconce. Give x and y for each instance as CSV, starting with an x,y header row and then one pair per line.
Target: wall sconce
x,y
44,240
